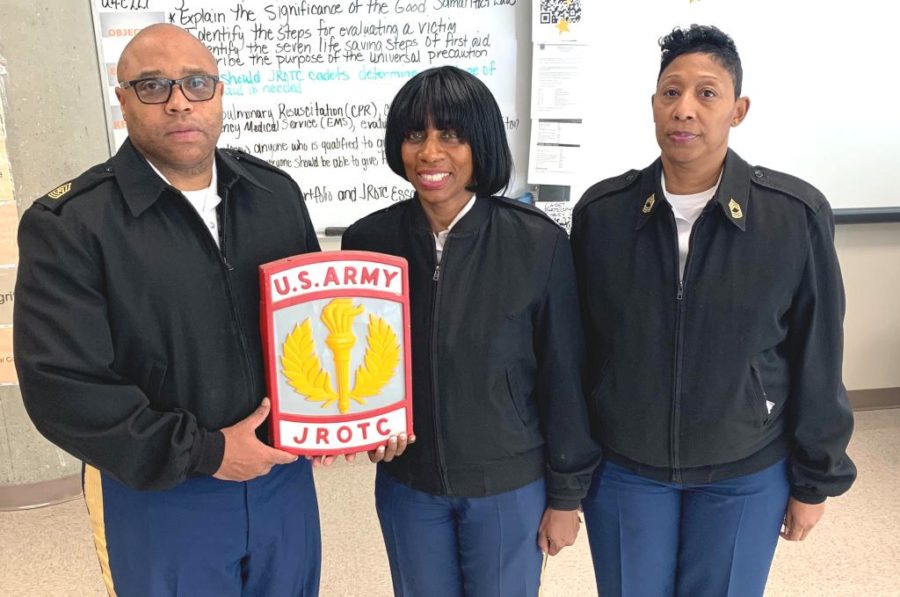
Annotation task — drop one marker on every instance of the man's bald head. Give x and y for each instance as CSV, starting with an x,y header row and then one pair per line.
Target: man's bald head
x,y
179,135
159,35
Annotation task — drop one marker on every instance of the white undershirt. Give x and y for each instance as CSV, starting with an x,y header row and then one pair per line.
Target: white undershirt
x,y
686,209
441,237
204,201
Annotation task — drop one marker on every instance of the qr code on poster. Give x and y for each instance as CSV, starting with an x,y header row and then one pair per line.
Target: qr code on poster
x,y
553,11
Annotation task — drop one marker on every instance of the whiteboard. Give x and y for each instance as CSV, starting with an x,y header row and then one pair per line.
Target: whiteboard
x,y
820,74
308,82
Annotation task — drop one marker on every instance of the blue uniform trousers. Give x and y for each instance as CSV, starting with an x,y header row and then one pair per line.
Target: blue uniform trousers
x,y
656,539
209,537
441,546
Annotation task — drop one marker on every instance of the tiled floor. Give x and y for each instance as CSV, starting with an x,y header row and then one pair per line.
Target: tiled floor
x,y
855,551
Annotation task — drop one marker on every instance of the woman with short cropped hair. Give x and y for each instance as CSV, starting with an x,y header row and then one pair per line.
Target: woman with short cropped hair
x,y
713,306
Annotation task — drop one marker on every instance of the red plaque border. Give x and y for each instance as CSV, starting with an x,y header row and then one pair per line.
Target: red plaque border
x,y
267,308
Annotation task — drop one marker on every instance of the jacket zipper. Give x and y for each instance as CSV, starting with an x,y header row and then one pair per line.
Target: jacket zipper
x,y
222,247
436,418
674,445
235,312
227,269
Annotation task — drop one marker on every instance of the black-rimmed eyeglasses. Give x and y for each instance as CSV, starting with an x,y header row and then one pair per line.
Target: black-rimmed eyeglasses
x,y
158,90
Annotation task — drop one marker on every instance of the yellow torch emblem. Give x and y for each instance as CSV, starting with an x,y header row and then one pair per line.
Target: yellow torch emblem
x,y
301,366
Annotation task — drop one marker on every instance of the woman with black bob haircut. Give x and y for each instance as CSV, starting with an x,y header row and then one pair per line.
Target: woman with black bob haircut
x,y
453,99
502,455
713,307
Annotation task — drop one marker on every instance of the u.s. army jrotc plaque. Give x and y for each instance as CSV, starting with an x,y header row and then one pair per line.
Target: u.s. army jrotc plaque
x,y
336,348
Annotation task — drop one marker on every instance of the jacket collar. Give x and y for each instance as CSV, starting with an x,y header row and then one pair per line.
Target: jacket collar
x,y
469,223
141,186
732,196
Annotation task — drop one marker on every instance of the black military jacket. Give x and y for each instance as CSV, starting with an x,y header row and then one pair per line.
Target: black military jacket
x,y
136,337
497,352
738,365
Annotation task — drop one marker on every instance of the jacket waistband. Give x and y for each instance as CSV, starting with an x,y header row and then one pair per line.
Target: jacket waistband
x,y
477,480
772,453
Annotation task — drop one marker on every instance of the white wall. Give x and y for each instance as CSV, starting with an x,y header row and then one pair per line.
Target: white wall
x,y
819,75
870,261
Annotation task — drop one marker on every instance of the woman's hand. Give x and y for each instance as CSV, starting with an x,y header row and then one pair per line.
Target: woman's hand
x,y
558,529
318,461
800,518
395,447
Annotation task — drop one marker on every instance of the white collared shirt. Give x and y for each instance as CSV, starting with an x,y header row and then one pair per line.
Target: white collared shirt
x,y
441,237
205,201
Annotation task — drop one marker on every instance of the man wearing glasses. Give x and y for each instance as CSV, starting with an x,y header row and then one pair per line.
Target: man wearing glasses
x,y
138,348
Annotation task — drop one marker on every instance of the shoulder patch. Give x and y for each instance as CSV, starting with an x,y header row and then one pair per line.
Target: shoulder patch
x,y
60,190
67,191
607,187
788,185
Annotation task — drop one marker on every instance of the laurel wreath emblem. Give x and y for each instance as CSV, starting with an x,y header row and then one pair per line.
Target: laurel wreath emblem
x,y
303,370
381,359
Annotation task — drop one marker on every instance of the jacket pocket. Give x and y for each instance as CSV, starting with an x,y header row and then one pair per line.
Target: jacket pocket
x,y
598,381
156,377
758,397
520,396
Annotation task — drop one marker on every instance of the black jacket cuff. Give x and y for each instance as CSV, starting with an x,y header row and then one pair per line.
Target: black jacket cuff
x,y
802,495
207,453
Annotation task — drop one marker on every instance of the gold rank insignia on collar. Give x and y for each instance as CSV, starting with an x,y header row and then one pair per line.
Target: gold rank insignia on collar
x,y
60,191
648,204
735,208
